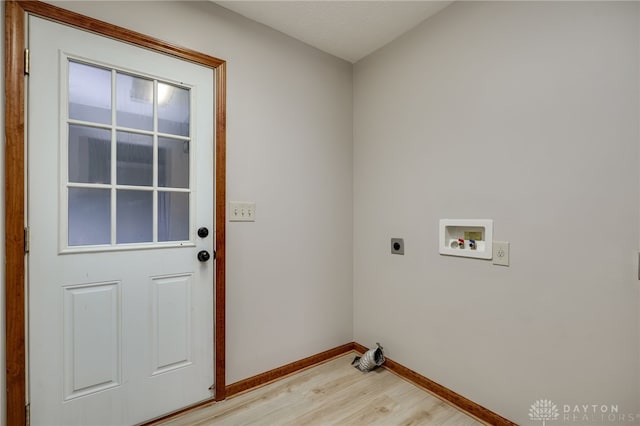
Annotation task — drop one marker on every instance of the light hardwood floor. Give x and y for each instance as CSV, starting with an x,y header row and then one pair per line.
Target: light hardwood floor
x,y
333,393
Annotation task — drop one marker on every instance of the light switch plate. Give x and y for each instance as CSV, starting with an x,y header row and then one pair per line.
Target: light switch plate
x,y
501,253
242,211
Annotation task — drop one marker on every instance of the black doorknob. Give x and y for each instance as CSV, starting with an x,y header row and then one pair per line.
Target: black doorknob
x,y
203,255
203,232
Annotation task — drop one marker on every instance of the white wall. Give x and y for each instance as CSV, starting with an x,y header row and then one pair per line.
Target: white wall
x,y
525,113
289,134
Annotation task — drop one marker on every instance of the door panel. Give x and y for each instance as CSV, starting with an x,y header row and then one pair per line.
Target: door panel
x,y
171,322
120,177
92,338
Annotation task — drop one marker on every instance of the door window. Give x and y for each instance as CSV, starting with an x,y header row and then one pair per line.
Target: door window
x,y
128,153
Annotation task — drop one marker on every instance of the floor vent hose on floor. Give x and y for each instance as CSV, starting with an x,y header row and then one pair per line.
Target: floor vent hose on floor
x,y
371,359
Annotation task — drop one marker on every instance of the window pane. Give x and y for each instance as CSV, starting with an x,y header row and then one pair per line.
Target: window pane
x,y
89,154
134,102
173,216
89,93
89,216
173,110
135,159
173,163
134,217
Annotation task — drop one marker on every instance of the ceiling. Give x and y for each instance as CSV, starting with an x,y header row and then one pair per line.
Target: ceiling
x,y
347,29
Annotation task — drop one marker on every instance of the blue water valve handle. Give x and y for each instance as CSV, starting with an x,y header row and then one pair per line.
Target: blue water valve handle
x,y
472,244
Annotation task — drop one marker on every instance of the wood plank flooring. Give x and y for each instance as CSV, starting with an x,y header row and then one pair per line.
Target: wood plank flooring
x,y
333,393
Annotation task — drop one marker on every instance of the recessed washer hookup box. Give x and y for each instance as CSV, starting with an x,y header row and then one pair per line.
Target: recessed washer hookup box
x,y
466,237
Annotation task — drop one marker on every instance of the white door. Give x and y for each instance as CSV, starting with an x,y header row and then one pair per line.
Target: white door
x,y
120,180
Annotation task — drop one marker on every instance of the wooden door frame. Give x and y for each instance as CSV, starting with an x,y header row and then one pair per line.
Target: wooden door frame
x,y
15,302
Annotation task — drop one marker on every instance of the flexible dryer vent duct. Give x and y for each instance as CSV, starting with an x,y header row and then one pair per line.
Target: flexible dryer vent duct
x,y
371,359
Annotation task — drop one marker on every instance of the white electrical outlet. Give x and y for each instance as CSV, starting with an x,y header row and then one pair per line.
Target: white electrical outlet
x,y
242,211
501,253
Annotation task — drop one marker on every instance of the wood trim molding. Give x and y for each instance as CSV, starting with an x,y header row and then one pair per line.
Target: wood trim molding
x,y
15,12
453,398
220,220
15,354
281,372
54,13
